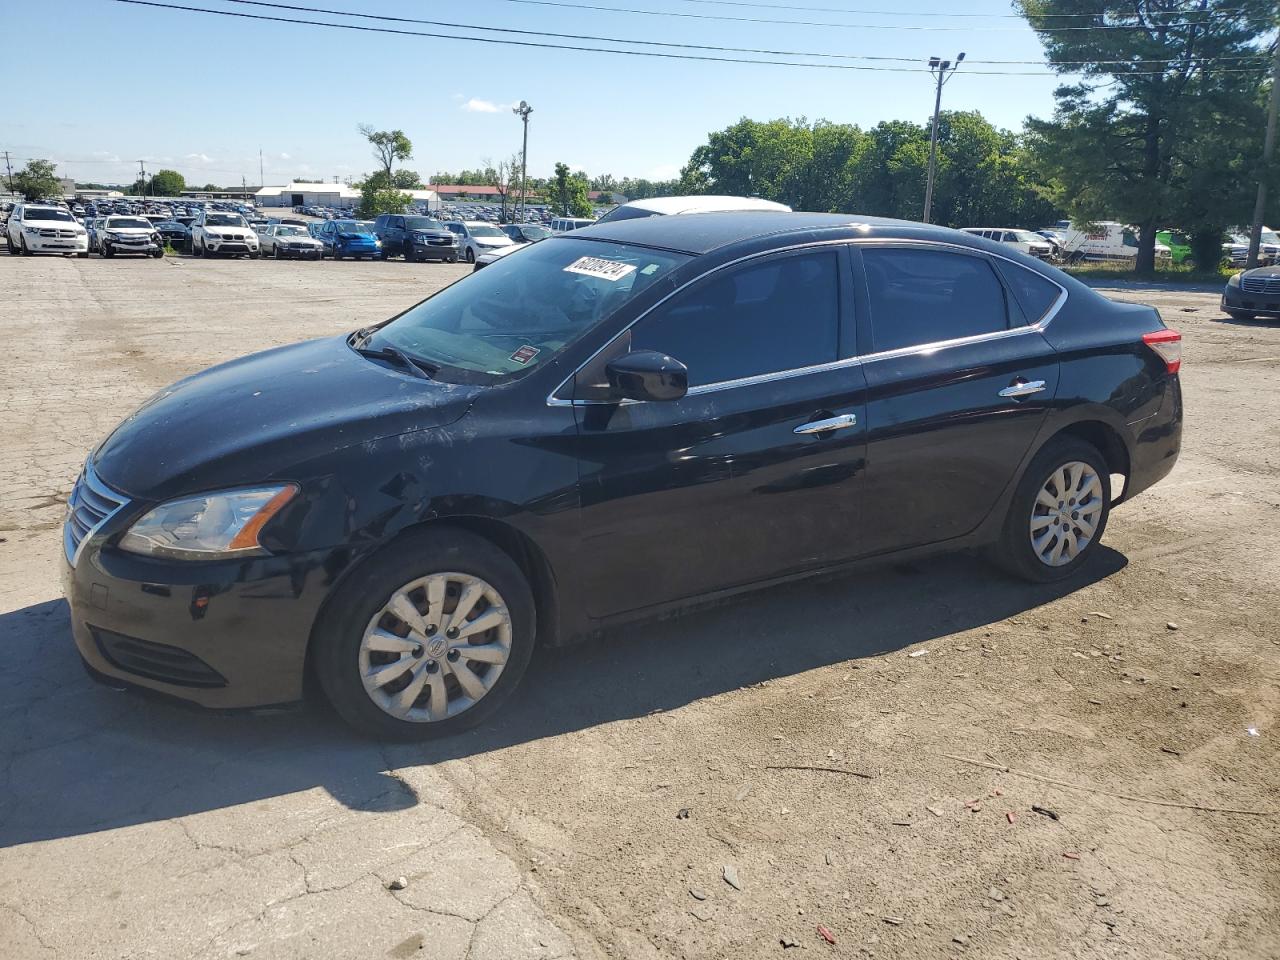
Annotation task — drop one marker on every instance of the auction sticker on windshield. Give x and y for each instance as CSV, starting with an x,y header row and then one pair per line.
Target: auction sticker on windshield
x,y
604,269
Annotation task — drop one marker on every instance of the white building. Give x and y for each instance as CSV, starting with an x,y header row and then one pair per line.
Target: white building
x,y
304,194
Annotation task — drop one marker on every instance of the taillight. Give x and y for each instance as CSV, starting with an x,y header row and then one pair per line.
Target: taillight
x,y
1168,344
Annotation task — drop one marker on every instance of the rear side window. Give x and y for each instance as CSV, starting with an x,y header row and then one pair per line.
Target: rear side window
x,y
1034,293
927,296
768,317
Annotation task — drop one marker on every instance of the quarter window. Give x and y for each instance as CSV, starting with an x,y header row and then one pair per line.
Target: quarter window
x,y
927,296
1034,293
782,314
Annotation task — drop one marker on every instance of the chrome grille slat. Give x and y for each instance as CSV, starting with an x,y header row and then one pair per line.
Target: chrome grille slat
x,y
91,504
1269,286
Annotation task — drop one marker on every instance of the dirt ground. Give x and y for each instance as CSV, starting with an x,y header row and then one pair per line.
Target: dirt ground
x,y
602,813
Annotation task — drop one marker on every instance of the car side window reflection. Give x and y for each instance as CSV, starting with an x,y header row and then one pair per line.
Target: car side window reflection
x,y
919,297
780,314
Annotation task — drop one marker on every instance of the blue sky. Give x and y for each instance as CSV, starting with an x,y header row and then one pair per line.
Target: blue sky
x,y
203,93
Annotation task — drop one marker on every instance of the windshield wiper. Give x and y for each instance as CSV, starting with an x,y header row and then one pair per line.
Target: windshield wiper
x,y
419,368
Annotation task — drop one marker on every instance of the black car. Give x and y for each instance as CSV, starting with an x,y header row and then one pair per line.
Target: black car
x,y
415,238
174,231
1253,293
628,418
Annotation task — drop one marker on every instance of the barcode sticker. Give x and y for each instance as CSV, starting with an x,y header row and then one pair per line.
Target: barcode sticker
x,y
609,270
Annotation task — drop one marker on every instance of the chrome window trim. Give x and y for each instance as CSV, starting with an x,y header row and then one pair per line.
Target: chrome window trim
x,y
1038,327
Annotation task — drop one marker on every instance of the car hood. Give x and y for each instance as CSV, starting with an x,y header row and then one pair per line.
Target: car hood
x,y
499,252
253,419
353,237
503,241
304,239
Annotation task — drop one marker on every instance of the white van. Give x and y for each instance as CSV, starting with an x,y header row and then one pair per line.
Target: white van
x,y
566,224
1032,244
1107,240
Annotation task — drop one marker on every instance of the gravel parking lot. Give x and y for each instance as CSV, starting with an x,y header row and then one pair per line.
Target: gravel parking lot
x,y
602,813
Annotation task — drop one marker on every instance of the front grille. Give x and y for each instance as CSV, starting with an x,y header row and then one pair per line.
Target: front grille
x,y
441,241
156,661
1269,286
91,504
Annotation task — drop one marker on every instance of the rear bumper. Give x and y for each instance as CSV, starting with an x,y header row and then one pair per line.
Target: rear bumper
x,y
1157,442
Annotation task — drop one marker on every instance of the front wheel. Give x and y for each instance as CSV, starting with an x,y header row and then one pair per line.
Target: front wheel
x,y
22,243
1058,513
427,638
471,255
107,251
1241,314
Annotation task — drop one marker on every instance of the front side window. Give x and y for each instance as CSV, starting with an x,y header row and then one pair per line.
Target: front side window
x,y
928,296
522,311
776,315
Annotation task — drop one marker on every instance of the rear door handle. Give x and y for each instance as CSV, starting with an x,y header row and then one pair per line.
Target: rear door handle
x,y
824,426
1024,389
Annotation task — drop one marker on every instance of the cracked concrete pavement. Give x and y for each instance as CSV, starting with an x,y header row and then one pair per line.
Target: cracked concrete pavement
x,y
134,828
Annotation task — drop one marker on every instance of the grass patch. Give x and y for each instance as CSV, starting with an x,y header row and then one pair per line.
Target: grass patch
x,y
1164,273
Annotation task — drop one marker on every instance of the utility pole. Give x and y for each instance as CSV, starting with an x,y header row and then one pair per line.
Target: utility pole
x,y
261,177
8,170
942,71
1268,151
142,179
523,112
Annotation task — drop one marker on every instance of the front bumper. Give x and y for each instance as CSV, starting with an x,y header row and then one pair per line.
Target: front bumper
x,y
146,247
434,251
230,246
358,250
228,634
310,253
1262,304
38,244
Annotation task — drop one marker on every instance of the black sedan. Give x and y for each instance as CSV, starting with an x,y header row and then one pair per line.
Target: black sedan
x,y
618,421
1253,293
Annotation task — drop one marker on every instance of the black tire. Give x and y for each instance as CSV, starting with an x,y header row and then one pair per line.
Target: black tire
x,y
1014,552
341,628
10,246
82,254
1241,315
107,251
408,254
22,245
255,254
275,251
451,259
159,253
336,256
471,255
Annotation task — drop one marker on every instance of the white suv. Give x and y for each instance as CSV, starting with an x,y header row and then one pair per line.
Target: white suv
x,y
217,231
43,228
476,237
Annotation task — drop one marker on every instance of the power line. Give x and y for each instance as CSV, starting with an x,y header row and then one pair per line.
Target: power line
x,y
630,53
684,46
859,26
915,13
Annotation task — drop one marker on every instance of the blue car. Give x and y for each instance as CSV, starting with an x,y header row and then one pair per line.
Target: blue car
x,y
349,238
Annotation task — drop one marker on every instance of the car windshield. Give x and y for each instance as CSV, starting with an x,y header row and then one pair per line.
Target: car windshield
x,y
351,226
522,311
32,213
483,231
224,220
1269,236
534,233
290,232
1026,236
128,223
422,223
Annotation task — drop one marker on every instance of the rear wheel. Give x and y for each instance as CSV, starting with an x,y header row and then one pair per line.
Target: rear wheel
x,y
428,638
1058,513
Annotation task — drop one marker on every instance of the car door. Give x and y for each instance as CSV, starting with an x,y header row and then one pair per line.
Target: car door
x,y
753,474
959,380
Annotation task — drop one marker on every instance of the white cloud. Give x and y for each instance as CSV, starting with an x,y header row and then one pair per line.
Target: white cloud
x,y
199,158
475,105
106,156
284,156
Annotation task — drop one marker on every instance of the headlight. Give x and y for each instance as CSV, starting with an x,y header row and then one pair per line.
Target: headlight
x,y
377,243
210,526
31,230
1234,280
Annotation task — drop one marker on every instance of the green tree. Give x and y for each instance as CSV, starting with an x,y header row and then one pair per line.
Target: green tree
x,y
38,180
389,147
1155,84
560,189
167,183
376,199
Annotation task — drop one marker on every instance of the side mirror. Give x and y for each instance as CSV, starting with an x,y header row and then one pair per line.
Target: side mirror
x,y
648,375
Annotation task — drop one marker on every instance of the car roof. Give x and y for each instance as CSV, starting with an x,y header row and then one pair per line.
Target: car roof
x,y
700,233
704,204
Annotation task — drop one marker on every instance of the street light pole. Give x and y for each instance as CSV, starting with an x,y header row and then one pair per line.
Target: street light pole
x,y
942,70
523,112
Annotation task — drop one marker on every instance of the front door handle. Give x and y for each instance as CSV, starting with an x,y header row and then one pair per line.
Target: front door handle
x,y
1024,389
833,423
